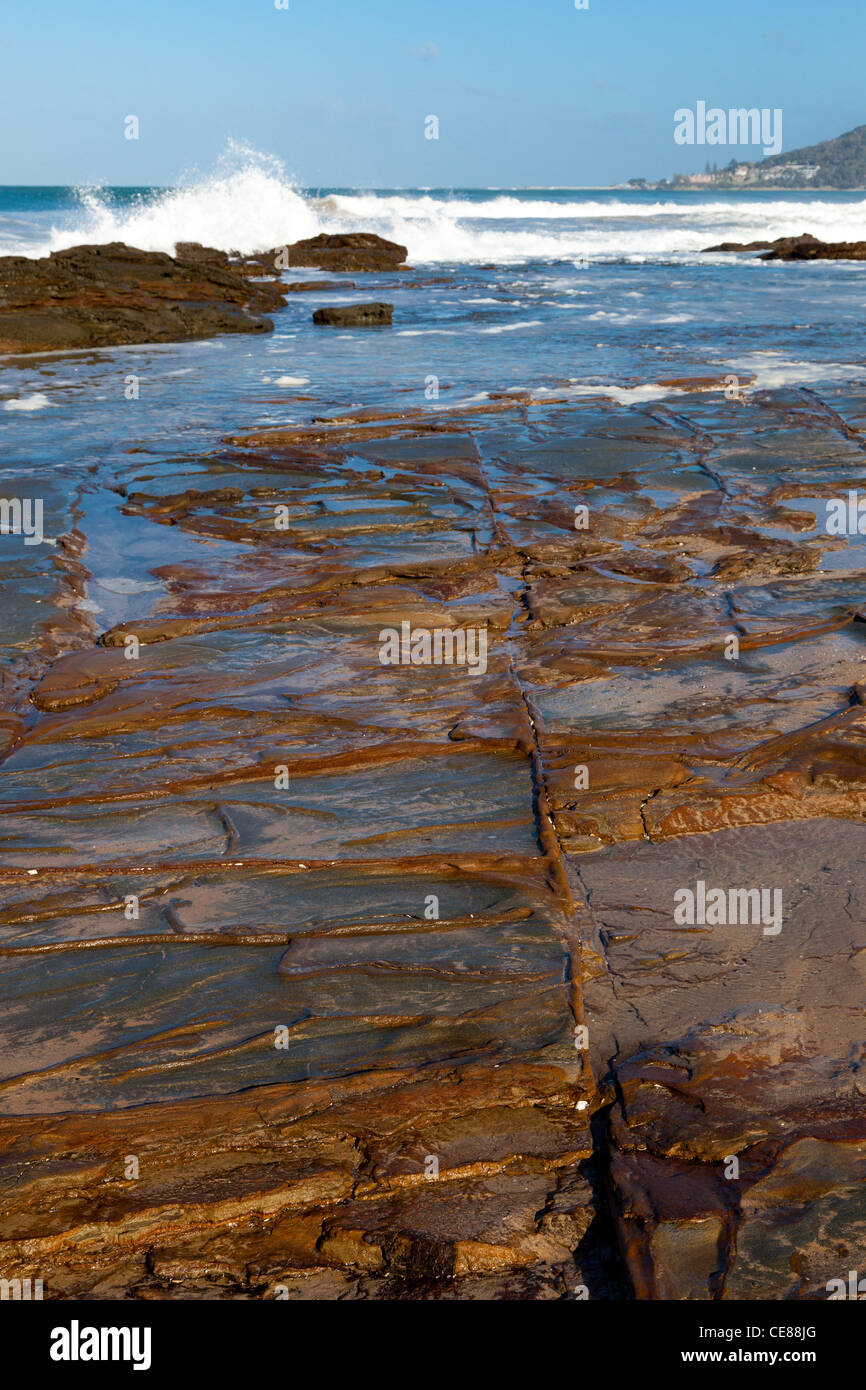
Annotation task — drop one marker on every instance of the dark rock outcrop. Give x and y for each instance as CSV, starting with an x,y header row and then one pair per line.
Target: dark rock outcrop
x,y
811,250
200,255
797,248
355,251
102,296
781,244
356,316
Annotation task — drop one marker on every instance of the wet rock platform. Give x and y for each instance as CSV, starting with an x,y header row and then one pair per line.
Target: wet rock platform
x,y
328,978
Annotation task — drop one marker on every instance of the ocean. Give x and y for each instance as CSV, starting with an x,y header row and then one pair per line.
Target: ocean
x,y
534,288
580,290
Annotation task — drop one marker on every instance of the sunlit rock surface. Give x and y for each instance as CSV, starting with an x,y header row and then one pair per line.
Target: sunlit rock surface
x,y
89,296
298,949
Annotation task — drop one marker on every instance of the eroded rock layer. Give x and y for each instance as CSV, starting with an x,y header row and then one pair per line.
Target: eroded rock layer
x,y
330,978
90,296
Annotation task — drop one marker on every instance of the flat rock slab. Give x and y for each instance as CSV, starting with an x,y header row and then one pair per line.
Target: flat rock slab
x,y
737,1057
320,286
313,939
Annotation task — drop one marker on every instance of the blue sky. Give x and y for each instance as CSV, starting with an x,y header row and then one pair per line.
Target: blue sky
x,y
526,93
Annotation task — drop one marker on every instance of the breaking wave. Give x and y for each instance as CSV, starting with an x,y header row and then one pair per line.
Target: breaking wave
x,y
247,204
250,203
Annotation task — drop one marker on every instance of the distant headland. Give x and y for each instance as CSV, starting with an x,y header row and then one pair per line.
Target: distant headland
x,y
833,164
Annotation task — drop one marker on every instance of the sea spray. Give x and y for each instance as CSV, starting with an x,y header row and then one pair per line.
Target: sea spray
x,y
249,202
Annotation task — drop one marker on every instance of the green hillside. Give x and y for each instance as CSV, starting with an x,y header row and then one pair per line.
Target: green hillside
x,y
841,162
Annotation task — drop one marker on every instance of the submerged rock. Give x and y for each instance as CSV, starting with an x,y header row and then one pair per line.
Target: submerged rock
x,y
323,286
356,316
102,296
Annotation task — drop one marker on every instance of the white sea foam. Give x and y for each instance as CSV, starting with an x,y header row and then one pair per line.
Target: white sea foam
x,y
511,327
38,401
250,203
772,370
512,230
623,395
